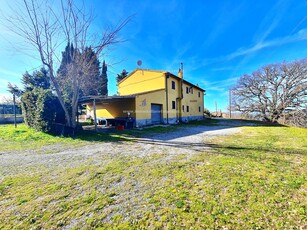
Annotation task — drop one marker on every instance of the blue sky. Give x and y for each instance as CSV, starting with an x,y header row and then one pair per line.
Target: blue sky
x,y
217,41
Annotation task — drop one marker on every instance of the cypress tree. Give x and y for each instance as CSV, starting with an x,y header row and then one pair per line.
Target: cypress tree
x,y
104,80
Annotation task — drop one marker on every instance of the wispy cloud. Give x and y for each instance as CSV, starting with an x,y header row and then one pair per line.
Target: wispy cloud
x,y
271,20
301,35
3,84
221,85
223,21
6,74
223,68
250,52
265,28
243,51
268,24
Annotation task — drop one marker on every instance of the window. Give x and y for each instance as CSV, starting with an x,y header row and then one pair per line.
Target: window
x,y
173,105
199,109
198,94
189,90
173,85
188,108
183,108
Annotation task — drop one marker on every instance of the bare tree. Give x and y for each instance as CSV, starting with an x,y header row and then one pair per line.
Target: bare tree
x,y
272,91
49,27
9,100
297,118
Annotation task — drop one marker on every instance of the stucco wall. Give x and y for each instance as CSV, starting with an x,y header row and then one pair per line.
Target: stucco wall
x,y
194,99
141,81
172,95
143,104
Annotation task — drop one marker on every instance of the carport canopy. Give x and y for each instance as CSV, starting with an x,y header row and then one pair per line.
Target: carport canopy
x,y
103,100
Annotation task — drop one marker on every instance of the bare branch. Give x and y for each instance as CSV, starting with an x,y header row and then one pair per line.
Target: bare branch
x,y
273,90
47,29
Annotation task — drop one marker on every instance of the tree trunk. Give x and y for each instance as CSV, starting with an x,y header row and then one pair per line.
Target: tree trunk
x,y
60,97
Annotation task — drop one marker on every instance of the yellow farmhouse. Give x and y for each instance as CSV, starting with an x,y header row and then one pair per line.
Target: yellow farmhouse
x,y
152,97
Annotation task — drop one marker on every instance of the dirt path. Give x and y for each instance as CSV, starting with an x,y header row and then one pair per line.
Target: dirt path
x,y
185,140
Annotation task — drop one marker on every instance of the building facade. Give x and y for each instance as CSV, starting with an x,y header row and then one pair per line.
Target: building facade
x,y
153,97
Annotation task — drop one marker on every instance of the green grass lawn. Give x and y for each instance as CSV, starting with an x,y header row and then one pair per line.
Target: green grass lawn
x,y
22,138
255,179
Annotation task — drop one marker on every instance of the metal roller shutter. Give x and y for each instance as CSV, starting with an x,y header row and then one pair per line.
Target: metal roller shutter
x,y
156,112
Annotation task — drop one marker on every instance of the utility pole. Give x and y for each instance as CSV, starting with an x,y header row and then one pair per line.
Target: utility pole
x,y
229,103
14,102
95,117
16,92
215,109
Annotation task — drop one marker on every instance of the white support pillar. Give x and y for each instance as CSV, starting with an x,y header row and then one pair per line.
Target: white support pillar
x,y
95,117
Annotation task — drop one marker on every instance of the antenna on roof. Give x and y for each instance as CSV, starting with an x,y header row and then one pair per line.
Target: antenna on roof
x,y
139,63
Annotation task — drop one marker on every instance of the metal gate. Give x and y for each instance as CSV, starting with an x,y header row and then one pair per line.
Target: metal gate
x,y
156,113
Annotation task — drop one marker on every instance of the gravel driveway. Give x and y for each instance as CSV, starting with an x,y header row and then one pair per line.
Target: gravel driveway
x,y
185,140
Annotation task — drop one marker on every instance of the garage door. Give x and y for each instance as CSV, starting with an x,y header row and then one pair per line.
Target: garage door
x,y
156,112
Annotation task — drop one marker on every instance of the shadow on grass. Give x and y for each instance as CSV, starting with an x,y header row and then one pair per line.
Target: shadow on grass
x,y
241,122
252,151
92,136
167,132
201,147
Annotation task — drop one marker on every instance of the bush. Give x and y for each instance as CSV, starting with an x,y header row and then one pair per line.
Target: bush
x,y
39,108
207,112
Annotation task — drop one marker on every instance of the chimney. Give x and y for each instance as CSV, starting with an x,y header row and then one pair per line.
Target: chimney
x,y
180,72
